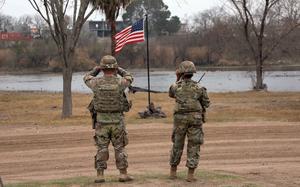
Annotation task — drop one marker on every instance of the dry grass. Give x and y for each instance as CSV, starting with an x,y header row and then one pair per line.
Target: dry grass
x,y
45,108
208,178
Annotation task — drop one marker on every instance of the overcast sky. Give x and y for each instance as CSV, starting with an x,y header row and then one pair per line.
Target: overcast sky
x,y
181,8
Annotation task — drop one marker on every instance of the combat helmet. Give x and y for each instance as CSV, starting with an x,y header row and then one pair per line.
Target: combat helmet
x,y
186,67
108,62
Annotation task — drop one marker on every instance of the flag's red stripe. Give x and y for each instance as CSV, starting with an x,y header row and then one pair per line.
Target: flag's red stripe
x,y
123,31
127,37
137,34
135,37
124,37
135,40
131,40
128,42
121,47
130,35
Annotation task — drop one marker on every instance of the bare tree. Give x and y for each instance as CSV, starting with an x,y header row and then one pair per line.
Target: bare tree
x,y
6,23
65,34
39,24
22,24
214,31
2,2
256,17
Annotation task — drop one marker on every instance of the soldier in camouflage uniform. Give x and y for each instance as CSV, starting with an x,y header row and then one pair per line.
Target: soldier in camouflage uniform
x,y
191,101
110,103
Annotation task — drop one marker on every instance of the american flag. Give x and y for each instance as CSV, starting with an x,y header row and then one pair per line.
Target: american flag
x,y
130,35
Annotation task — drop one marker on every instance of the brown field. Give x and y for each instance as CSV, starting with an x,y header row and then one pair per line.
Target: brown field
x,y
251,139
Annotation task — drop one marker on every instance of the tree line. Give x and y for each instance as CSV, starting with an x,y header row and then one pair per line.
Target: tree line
x,y
211,37
41,52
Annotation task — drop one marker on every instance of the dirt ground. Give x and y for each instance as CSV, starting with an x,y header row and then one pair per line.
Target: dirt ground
x,y
252,139
267,153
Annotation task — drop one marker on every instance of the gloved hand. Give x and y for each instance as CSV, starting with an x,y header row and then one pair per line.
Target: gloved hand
x,y
178,75
96,70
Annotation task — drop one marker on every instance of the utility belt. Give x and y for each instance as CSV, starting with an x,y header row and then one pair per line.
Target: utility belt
x,y
197,113
109,117
188,112
113,112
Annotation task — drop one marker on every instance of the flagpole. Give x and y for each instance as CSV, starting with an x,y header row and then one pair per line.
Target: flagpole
x,y
148,66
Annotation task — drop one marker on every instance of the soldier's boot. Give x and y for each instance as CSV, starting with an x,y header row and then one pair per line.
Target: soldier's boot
x,y
190,176
124,177
173,171
100,176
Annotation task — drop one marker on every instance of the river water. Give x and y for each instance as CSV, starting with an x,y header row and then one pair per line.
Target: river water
x,y
214,81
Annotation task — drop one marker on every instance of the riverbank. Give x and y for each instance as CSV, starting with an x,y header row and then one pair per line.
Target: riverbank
x,y
251,68
30,71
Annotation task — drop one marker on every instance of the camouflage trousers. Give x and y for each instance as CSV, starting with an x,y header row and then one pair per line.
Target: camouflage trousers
x,y
115,133
189,125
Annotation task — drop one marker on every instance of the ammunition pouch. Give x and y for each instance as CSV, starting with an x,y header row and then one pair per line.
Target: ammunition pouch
x,y
109,118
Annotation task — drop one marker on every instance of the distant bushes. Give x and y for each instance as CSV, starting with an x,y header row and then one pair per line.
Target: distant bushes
x,y
35,54
165,52
42,56
82,60
7,56
212,37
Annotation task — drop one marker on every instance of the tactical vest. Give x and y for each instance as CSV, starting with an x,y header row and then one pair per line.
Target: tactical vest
x,y
109,97
187,96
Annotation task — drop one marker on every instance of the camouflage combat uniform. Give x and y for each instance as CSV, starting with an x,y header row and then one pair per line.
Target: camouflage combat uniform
x,y
190,98
191,103
110,102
